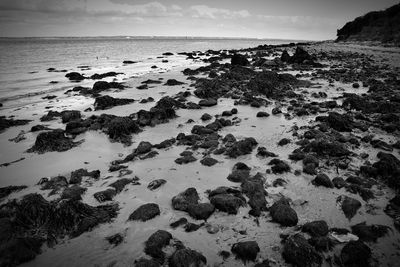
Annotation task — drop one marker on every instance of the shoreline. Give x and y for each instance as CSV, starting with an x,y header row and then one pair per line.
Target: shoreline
x,y
300,108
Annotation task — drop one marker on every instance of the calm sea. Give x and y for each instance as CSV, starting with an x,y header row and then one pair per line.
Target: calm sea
x,y
24,61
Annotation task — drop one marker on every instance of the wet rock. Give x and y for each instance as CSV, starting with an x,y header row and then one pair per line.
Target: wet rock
x,y
155,243
55,184
5,191
207,161
276,111
279,182
349,205
201,211
76,176
388,167
284,142
264,153
106,195
206,117
120,184
341,123
15,251
323,180
369,233
321,243
7,123
70,115
173,82
253,188
339,182
192,227
74,192
145,212
227,203
165,144
240,60
120,129
128,62
299,252
38,128
106,102
310,168
208,102
75,76
355,253
185,159
246,251
184,199
186,257
282,213
153,185
115,239
262,114
327,148
241,147
142,262
279,166
102,86
181,221
316,228
238,175
97,76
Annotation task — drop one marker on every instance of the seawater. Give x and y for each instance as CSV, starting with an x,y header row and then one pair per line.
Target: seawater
x,y
24,61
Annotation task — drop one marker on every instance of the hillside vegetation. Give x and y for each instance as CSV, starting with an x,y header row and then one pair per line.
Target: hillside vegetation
x,y
382,26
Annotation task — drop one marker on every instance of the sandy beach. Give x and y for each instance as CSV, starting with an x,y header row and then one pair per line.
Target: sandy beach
x,y
316,126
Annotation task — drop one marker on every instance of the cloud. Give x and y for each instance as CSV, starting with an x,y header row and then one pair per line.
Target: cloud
x,y
203,11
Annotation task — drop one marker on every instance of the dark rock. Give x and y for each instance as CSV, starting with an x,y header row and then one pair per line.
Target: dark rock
x,y
262,114
186,257
75,76
120,184
282,213
181,221
115,239
279,166
207,161
128,62
106,195
327,148
76,176
185,159
165,144
15,251
388,167
155,243
299,252
276,111
238,175
316,228
153,185
5,191
369,233
206,117
55,184
142,262
201,211
120,129
310,168
106,102
7,123
38,128
70,115
192,227
263,152
227,203
341,123
323,180
74,192
349,205
184,199
284,141
145,212
241,147
246,251
355,253
208,102
339,182
240,60
173,82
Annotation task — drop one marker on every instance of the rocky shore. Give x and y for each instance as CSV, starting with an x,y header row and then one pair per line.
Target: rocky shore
x,y
266,156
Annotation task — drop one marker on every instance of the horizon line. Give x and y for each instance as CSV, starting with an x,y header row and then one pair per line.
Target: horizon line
x,y
155,36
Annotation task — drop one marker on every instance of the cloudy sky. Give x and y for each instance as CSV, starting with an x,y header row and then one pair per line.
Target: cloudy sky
x,y
285,19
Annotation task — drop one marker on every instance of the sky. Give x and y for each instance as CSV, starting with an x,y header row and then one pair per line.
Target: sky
x,y
281,19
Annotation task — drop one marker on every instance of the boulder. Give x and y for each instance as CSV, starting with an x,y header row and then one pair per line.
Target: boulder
x,y
282,213
299,252
246,251
323,180
356,254
349,205
227,203
154,244
200,211
187,257
184,199
239,60
52,141
145,212
316,228
106,102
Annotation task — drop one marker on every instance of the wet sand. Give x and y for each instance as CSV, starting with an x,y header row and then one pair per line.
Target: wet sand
x,y
97,152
